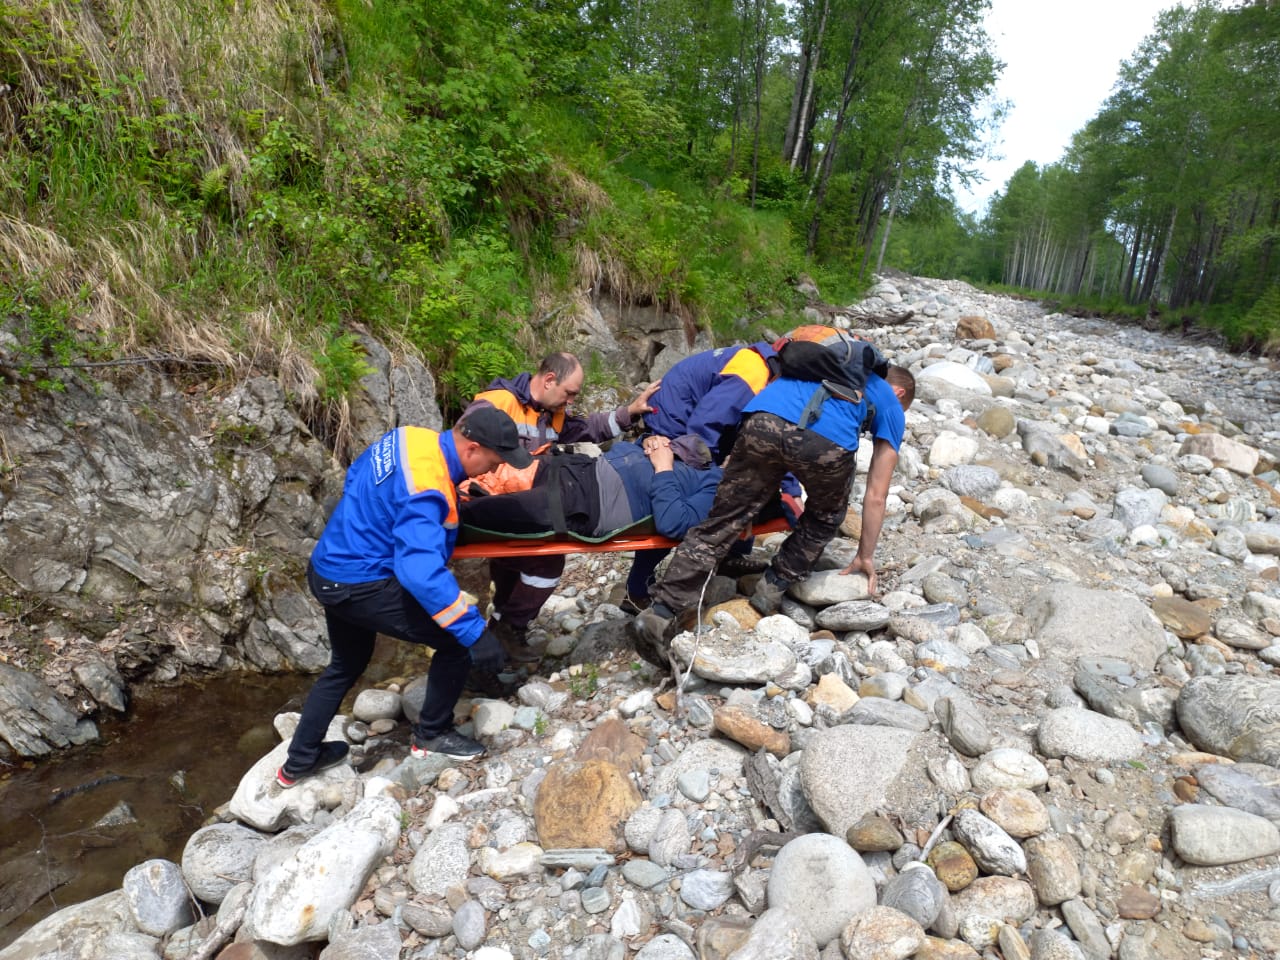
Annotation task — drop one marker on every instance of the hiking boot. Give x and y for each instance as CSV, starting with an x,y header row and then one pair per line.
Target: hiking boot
x,y
515,642
490,684
332,753
451,744
738,565
768,593
632,604
649,634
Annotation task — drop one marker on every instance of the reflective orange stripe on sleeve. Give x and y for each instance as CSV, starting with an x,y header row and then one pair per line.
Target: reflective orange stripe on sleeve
x,y
450,613
750,367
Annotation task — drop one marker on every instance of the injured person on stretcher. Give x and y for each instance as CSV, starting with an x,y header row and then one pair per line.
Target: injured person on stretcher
x,y
671,481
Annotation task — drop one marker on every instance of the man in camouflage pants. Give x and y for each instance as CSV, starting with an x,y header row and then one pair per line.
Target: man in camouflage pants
x,y
823,456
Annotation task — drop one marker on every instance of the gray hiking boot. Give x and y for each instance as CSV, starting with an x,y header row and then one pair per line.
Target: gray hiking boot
x,y
768,594
649,635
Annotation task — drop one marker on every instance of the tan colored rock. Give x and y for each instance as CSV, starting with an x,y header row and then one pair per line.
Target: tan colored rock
x,y
975,328
584,804
834,692
739,608
935,948
1019,812
1223,451
1073,443
953,865
881,933
1186,619
1137,903
739,726
851,525
996,421
1000,386
873,834
613,742
1051,864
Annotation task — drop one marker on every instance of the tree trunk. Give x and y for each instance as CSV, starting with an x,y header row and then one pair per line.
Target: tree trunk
x,y
804,119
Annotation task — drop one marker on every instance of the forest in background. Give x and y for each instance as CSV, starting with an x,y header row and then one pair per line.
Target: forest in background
x,y
241,188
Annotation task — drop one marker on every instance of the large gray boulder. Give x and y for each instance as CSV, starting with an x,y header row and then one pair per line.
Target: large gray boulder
x,y
850,770
1070,621
1233,716
295,902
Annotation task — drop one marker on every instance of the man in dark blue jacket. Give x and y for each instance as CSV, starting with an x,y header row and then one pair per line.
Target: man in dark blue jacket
x,y
704,394
381,566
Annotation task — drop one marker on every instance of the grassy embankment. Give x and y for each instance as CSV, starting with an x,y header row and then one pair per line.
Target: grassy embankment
x,y
241,189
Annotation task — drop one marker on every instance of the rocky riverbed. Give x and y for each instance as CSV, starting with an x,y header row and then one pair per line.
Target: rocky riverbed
x,y
1053,734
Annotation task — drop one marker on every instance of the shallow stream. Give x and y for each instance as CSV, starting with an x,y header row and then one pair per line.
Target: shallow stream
x,y
173,760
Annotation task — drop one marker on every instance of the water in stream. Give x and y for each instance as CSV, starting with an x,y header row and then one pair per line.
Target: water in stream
x,y
173,760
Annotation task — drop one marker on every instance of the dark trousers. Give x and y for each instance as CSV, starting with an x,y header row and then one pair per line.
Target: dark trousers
x,y
766,449
355,613
521,585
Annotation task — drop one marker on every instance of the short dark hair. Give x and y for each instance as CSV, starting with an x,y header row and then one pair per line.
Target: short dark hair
x,y
560,364
901,377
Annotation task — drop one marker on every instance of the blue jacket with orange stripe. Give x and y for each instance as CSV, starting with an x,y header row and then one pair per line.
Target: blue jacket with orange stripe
x,y
398,517
706,393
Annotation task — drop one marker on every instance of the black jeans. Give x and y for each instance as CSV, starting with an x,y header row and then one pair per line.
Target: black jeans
x,y
355,613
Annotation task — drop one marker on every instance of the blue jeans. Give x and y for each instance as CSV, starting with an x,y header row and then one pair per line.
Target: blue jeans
x,y
355,613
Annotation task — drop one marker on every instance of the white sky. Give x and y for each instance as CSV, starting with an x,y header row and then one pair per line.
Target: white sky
x,y
1061,63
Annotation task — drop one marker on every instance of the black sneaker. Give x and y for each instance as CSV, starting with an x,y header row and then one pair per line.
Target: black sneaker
x,y
633,605
332,753
449,744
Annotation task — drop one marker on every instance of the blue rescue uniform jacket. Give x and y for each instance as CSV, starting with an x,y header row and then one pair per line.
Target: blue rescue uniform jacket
x,y
398,517
840,420
705,394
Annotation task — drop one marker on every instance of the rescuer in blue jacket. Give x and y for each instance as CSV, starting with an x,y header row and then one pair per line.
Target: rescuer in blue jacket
x,y
380,566
705,394
810,429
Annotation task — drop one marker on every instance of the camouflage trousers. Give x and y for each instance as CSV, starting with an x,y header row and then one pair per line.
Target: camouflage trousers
x,y
766,449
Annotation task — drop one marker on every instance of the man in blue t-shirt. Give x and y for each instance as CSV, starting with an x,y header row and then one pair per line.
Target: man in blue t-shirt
x,y
802,427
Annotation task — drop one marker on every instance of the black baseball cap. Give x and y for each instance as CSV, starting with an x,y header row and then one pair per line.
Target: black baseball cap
x,y
490,427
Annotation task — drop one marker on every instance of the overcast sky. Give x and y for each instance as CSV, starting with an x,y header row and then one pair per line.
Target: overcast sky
x,y
1061,63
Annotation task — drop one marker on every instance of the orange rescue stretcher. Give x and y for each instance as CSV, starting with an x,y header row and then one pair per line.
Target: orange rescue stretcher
x,y
485,544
